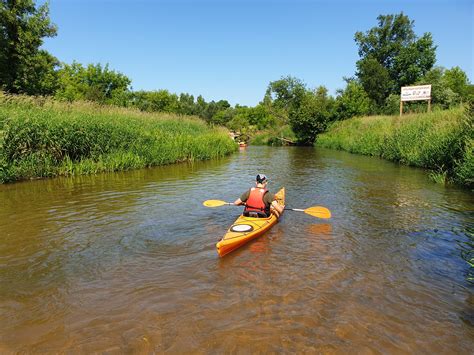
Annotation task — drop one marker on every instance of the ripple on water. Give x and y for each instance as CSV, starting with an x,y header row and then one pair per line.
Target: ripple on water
x,y
127,263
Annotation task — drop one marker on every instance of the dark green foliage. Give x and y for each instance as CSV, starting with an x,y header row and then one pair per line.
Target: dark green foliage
x,y
212,108
259,117
470,93
311,116
456,80
186,104
392,105
375,79
286,93
308,112
392,56
24,68
155,101
439,92
449,87
413,61
92,83
352,101
6,173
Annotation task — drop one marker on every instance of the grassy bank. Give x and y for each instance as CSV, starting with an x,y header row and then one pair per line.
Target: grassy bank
x,y
442,141
42,138
276,136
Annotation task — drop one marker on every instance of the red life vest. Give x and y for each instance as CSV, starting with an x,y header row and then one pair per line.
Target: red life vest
x,y
255,201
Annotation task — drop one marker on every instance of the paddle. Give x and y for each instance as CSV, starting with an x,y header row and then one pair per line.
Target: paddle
x,y
315,211
215,203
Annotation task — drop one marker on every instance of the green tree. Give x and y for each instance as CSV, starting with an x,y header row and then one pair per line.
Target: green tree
x,y
260,117
286,93
93,83
352,101
223,117
24,67
186,104
392,56
163,101
456,79
448,86
156,101
312,115
470,93
201,106
239,122
391,105
375,79
214,107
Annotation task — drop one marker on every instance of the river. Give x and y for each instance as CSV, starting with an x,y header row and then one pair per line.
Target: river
x,y
126,262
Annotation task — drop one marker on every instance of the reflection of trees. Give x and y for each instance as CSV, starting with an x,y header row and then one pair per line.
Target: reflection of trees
x,y
467,253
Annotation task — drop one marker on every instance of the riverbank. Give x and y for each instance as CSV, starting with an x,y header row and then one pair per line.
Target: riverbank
x,y
277,136
44,138
441,141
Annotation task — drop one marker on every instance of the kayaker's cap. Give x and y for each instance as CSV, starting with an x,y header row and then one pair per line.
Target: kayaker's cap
x,y
261,178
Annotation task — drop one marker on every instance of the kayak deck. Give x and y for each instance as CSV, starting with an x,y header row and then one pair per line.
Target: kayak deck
x,y
245,229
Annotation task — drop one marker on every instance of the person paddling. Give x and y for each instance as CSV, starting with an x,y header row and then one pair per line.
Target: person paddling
x,y
259,202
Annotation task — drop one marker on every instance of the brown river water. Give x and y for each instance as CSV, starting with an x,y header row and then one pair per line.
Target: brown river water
x,y
126,262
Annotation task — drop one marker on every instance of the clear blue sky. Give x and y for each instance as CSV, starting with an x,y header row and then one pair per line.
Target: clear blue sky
x,y
232,49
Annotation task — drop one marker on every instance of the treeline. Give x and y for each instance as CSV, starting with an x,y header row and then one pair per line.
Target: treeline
x,y
391,56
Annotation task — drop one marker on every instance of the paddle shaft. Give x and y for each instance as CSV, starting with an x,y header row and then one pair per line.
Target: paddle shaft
x,y
315,211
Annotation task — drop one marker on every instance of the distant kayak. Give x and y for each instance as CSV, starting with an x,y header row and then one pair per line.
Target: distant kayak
x,y
245,229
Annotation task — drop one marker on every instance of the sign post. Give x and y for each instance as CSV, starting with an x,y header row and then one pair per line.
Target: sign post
x,y
414,93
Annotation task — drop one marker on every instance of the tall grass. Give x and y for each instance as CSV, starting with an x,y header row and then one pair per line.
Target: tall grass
x,y
42,137
441,141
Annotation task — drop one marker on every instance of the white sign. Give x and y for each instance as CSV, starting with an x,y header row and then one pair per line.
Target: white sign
x,y
412,93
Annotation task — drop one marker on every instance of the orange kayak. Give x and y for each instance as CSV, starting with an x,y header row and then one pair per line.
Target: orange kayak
x,y
245,229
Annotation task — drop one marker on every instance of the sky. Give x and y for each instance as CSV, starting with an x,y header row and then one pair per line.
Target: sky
x,y
232,49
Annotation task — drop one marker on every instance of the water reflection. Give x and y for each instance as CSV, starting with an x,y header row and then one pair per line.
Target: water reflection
x,y
126,262
320,230
467,252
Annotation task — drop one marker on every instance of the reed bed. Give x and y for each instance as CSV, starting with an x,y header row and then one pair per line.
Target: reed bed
x,y
43,138
441,141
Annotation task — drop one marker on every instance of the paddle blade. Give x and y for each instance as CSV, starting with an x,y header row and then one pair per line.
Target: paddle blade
x,y
214,203
318,211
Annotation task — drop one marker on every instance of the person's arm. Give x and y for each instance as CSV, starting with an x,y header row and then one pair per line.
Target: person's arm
x,y
278,207
242,199
238,202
